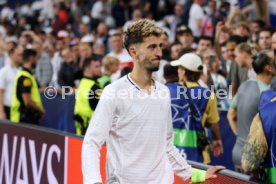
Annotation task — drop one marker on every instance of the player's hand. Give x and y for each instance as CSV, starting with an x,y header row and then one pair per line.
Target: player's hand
x,y
217,147
211,173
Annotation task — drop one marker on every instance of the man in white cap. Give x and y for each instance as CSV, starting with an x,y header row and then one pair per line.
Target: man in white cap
x,y
192,110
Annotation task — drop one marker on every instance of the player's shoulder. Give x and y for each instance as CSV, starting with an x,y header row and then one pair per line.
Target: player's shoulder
x,y
161,86
117,85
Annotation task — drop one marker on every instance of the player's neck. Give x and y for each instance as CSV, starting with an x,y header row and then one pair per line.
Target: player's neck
x,y
142,78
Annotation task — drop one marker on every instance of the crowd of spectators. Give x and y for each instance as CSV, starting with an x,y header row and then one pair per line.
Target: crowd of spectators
x,y
65,32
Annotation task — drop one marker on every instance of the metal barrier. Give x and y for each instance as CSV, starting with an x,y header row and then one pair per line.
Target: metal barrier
x,y
226,176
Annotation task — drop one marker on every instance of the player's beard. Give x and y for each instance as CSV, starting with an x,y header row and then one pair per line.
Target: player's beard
x,y
153,69
150,66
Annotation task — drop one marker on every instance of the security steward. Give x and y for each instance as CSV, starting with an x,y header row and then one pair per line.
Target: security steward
x,y
87,95
26,104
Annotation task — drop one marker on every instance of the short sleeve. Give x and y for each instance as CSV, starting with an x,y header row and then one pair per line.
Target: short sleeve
x,y
24,84
211,114
234,102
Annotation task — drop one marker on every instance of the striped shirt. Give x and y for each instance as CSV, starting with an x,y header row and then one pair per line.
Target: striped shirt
x,y
137,130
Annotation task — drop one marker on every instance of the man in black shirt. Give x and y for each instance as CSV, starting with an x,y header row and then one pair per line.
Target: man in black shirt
x,y
87,95
26,103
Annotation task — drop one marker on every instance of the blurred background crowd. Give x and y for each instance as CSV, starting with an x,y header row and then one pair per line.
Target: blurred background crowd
x,y
65,32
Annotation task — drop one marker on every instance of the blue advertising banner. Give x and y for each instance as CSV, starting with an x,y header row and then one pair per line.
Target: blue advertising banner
x,y
59,113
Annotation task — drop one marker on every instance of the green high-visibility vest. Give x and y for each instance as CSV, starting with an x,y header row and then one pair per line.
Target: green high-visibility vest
x,y
35,95
103,80
83,111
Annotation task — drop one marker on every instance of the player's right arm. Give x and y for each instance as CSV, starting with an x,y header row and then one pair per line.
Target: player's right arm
x,y
95,137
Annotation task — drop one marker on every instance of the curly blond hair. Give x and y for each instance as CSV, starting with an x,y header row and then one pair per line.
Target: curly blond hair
x,y
139,30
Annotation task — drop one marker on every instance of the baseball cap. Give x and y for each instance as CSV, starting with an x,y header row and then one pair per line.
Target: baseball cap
x,y
183,29
190,61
